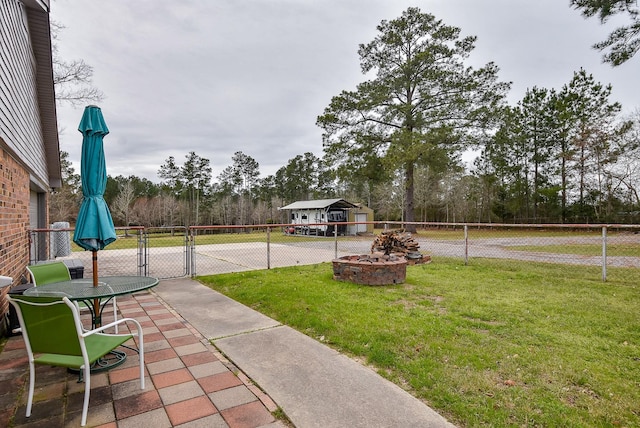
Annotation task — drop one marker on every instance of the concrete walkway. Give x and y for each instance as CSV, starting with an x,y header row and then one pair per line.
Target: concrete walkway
x,y
314,385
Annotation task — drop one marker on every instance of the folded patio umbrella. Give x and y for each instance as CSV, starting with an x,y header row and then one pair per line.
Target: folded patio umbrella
x,y
94,226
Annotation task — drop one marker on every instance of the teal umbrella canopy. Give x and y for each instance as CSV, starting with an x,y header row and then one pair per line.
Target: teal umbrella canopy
x,y
94,226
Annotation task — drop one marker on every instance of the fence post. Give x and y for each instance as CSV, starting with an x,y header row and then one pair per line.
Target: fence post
x,y
33,247
466,245
268,247
139,253
187,252
143,252
192,251
604,254
146,252
335,242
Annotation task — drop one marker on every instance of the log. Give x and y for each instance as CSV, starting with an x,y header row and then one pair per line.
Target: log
x,y
395,241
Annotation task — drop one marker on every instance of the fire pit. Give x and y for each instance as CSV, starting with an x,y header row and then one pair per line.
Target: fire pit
x,y
387,263
370,269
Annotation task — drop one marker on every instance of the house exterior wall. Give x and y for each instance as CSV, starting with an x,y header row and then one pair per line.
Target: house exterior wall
x,y
14,220
29,151
20,123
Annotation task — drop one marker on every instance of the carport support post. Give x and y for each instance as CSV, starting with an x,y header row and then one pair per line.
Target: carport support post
x,y
335,241
604,254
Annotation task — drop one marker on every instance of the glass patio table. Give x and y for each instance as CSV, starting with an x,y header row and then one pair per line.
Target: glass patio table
x,y
82,290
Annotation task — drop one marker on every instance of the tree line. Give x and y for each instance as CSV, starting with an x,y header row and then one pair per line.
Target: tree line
x,y
395,143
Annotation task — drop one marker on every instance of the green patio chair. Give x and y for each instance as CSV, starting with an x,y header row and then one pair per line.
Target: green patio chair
x,y
71,346
46,273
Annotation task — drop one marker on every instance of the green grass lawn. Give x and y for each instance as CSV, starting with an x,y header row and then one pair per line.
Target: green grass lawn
x,y
627,249
495,343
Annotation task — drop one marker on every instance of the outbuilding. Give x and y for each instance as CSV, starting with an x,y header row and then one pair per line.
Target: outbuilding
x,y
316,217
360,214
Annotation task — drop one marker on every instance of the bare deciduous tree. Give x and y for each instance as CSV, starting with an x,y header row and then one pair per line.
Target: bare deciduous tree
x,y
73,80
121,206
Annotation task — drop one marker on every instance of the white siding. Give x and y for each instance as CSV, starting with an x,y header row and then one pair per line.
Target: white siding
x,y
20,125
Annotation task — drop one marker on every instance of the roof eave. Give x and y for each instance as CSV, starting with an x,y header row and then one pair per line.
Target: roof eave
x,y
40,32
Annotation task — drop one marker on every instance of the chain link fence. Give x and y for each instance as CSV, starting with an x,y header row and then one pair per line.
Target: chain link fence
x,y
204,250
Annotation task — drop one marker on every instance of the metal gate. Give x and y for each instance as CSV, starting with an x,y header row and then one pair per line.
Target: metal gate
x,y
167,252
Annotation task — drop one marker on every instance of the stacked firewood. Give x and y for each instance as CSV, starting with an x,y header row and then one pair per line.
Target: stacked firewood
x,y
395,241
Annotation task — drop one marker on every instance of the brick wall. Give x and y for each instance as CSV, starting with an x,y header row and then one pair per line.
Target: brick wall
x,y
14,223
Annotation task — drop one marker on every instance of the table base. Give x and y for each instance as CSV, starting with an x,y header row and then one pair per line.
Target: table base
x,y
107,362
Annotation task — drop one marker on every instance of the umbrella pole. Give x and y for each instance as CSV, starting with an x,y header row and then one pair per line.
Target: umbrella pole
x,y
94,259
96,302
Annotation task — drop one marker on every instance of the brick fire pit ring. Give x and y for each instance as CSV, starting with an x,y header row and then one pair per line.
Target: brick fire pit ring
x,y
370,270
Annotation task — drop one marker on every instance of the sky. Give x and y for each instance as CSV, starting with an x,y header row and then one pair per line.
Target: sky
x,y
220,76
